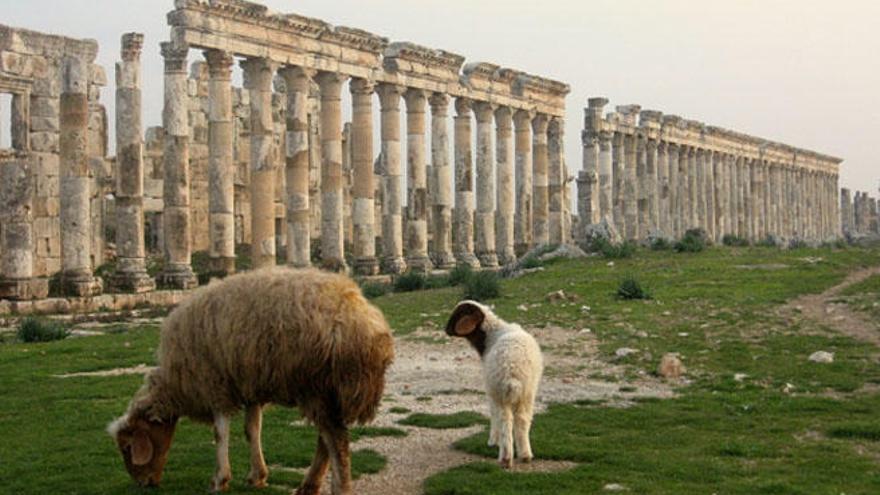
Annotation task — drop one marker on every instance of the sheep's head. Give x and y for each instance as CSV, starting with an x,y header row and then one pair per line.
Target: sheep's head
x,y
468,321
144,446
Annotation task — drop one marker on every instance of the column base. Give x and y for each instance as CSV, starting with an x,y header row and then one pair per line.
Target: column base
x,y
488,260
24,289
506,258
334,265
443,261
421,264
394,266
468,259
367,267
222,266
78,285
179,277
133,282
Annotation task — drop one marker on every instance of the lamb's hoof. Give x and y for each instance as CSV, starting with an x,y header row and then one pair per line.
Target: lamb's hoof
x,y
526,459
258,482
308,490
506,463
222,485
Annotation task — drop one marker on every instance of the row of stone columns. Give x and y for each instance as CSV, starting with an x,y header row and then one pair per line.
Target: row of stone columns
x,y
859,213
647,186
518,202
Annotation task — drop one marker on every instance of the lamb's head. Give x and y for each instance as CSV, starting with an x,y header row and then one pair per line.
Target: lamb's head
x,y
144,445
473,321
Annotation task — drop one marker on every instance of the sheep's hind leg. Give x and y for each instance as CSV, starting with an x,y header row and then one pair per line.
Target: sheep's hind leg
x,y
312,484
221,437
505,436
493,425
522,424
336,439
253,427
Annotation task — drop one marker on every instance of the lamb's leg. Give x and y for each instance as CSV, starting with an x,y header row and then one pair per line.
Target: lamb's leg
x,y
312,484
336,439
493,425
505,436
522,424
253,426
221,437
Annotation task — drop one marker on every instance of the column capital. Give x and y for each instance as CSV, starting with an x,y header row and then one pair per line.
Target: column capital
x,y
523,118
132,45
439,103
297,78
258,73
540,123
505,114
175,56
463,106
389,95
484,111
330,80
219,64
362,87
556,125
415,99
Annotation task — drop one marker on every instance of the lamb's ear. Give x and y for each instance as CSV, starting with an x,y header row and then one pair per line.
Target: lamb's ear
x,y
466,318
141,448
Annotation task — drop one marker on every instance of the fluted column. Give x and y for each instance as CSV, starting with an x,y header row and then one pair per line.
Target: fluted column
x,y
176,214
221,162
442,195
524,182
392,176
464,185
504,218
630,187
541,193
618,165
416,225
363,187
332,235
559,228
299,249
485,219
131,269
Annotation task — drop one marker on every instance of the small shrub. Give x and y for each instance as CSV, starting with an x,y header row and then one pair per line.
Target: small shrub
x,y
460,275
373,290
631,290
768,242
530,263
410,282
694,241
856,431
734,241
623,250
661,244
482,286
797,244
437,282
32,330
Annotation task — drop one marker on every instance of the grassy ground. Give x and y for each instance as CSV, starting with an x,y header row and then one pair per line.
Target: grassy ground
x,y
787,426
865,297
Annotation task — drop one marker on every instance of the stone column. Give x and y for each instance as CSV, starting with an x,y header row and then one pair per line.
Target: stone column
x,y
17,279
259,73
700,193
631,187
846,215
747,197
443,172
642,185
606,178
392,176
504,219
464,186
618,166
588,183
758,200
718,189
654,180
332,235
131,272
523,220
754,201
557,179
693,193
221,164
417,185
711,219
485,219
541,193
363,187
75,182
674,197
299,245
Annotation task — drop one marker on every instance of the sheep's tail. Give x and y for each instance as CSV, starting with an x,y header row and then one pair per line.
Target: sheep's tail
x,y
512,391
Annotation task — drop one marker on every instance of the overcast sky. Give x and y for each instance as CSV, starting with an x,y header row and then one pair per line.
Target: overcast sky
x,y
804,72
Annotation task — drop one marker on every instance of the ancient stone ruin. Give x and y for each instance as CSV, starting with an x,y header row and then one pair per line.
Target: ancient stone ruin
x,y
650,176
271,169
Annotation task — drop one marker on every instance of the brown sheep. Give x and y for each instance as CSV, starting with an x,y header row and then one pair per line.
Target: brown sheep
x,y
297,338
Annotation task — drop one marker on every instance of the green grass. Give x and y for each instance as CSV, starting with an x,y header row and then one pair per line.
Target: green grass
x,y
462,419
865,297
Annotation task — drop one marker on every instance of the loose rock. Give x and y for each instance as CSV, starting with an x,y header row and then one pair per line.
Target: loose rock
x,y
671,366
822,357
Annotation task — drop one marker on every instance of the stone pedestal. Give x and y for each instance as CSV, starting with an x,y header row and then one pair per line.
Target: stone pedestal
x,y
363,189
75,182
392,208
441,195
484,227
504,216
524,183
417,184
221,164
299,247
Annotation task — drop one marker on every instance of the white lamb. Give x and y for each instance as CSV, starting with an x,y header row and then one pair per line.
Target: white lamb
x,y
512,368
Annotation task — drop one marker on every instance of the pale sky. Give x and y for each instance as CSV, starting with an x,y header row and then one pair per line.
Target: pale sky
x,y
804,72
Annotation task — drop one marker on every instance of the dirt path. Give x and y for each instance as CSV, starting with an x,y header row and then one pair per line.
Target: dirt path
x,y
823,309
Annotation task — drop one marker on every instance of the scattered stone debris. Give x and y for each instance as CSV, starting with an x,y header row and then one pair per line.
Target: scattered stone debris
x,y
615,487
822,357
561,296
671,366
740,377
625,351
788,388
565,251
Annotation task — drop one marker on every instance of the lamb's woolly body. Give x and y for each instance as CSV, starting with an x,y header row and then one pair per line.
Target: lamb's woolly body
x,y
299,338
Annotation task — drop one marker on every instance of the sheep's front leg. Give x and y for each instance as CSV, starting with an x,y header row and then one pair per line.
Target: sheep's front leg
x,y
312,484
505,436
337,442
221,437
493,424
522,424
252,429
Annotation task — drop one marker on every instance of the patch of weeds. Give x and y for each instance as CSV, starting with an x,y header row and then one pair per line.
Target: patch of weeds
x,y
731,240
768,242
410,282
460,275
693,241
797,244
374,290
609,250
424,398
482,286
399,410
32,330
856,431
437,282
106,270
661,244
366,461
530,263
630,289
376,431
462,419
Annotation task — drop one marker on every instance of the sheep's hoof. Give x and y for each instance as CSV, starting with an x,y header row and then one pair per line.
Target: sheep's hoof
x,y
258,482
308,490
218,486
526,459
506,463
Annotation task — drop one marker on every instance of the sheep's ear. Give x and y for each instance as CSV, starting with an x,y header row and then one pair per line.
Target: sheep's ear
x,y
466,318
141,448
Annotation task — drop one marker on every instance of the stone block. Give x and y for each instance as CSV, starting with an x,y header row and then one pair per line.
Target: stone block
x,y
45,124
46,207
47,142
42,106
97,75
